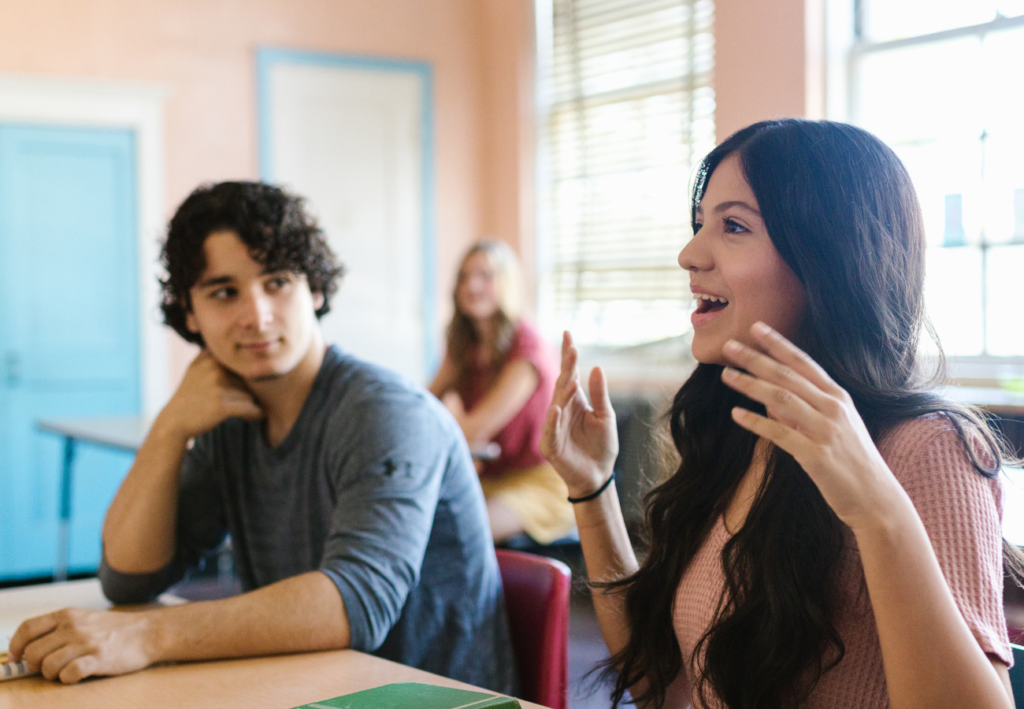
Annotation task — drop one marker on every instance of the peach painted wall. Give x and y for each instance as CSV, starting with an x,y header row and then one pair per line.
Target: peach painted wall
x,y
203,50
482,52
509,118
760,61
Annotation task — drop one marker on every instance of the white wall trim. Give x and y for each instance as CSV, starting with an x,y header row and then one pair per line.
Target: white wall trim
x,y
815,59
839,40
138,107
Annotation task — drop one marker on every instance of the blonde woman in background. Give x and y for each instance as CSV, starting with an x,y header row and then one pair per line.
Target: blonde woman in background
x,y
497,379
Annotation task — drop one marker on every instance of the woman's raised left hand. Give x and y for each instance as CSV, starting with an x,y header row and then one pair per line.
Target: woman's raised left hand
x,y
814,420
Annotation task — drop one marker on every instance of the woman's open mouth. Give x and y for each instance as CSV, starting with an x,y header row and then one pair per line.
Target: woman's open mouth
x,y
708,307
709,303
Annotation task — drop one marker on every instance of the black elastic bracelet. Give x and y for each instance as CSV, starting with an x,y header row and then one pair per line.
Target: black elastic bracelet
x,y
591,496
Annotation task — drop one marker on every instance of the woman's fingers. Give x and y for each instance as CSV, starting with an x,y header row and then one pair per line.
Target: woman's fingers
x,y
569,355
599,396
782,403
786,438
567,387
564,388
549,433
778,373
564,371
790,355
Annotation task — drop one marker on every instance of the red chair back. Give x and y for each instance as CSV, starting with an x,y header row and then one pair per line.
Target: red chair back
x,y
537,599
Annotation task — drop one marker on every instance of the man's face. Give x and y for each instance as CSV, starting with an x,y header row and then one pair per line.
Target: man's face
x,y
257,324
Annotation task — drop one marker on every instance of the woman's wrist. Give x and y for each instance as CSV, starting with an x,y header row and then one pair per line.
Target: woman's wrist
x,y
888,518
577,499
585,489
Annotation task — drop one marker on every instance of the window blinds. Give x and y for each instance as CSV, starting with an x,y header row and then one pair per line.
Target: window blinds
x,y
631,113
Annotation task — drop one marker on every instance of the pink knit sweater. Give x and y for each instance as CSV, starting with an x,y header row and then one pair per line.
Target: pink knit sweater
x,y
961,511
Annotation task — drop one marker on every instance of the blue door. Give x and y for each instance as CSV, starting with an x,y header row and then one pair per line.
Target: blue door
x,y
69,340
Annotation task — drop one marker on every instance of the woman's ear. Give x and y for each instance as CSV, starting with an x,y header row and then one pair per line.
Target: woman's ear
x,y
318,300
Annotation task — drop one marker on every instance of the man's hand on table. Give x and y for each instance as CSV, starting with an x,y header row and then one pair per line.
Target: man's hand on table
x,y
302,613
72,644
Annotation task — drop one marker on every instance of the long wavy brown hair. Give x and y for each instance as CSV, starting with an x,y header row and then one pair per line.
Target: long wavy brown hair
x,y
842,213
463,336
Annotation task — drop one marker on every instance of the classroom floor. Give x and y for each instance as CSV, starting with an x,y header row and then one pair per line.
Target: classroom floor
x,y
586,649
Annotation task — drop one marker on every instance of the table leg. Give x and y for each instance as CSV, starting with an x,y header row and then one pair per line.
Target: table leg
x,y
64,532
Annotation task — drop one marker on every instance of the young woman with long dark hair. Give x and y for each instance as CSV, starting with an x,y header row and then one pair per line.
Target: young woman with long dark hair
x,y
831,537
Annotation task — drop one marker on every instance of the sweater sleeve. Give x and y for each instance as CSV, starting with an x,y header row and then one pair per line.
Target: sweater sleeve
x,y
962,512
200,529
384,513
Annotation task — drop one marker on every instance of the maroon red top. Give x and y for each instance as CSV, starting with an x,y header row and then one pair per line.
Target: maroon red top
x,y
520,439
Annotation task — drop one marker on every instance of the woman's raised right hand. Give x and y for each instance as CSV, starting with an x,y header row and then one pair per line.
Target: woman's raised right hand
x,y
580,440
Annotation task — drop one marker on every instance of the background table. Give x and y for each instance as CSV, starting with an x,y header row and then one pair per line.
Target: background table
x,y
124,433
278,682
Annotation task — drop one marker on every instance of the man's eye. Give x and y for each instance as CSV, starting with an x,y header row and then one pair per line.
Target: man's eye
x,y
278,282
697,226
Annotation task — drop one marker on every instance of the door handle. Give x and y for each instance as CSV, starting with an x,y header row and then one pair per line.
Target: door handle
x,y
13,362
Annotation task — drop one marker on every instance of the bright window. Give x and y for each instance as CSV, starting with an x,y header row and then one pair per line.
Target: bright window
x,y
942,82
628,113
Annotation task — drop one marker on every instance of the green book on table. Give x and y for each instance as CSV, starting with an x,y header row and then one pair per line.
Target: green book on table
x,y
412,695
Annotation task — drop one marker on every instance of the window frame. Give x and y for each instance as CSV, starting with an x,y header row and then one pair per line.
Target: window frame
x,y
845,46
630,357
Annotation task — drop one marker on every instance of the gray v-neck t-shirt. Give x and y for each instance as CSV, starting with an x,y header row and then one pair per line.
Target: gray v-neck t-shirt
x,y
374,487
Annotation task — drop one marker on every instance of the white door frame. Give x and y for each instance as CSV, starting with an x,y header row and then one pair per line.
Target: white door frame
x,y
138,107
267,58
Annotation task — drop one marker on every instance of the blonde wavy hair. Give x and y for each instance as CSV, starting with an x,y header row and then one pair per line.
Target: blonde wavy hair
x,y
462,333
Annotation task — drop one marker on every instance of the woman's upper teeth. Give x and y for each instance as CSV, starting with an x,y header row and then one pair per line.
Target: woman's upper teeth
x,y
705,296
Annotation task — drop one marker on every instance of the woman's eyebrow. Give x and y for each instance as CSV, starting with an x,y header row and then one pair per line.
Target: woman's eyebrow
x,y
735,203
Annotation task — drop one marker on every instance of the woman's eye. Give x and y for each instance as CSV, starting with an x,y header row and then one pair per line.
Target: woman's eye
x,y
697,226
733,227
222,293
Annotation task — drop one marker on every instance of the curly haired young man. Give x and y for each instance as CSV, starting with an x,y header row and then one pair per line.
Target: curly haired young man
x,y
354,510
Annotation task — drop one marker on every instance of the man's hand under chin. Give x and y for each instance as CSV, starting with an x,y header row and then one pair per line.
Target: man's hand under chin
x,y
208,394
72,644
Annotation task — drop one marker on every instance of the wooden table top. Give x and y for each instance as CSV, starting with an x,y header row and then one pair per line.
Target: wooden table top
x,y
277,682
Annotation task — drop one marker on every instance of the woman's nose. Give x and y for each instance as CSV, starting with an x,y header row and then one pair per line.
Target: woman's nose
x,y
695,256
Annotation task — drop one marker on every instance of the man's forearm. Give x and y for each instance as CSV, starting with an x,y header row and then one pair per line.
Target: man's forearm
x,y
138,533
302,613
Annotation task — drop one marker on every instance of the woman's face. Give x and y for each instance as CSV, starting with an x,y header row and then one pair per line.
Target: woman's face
x,y
736,275
476,291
